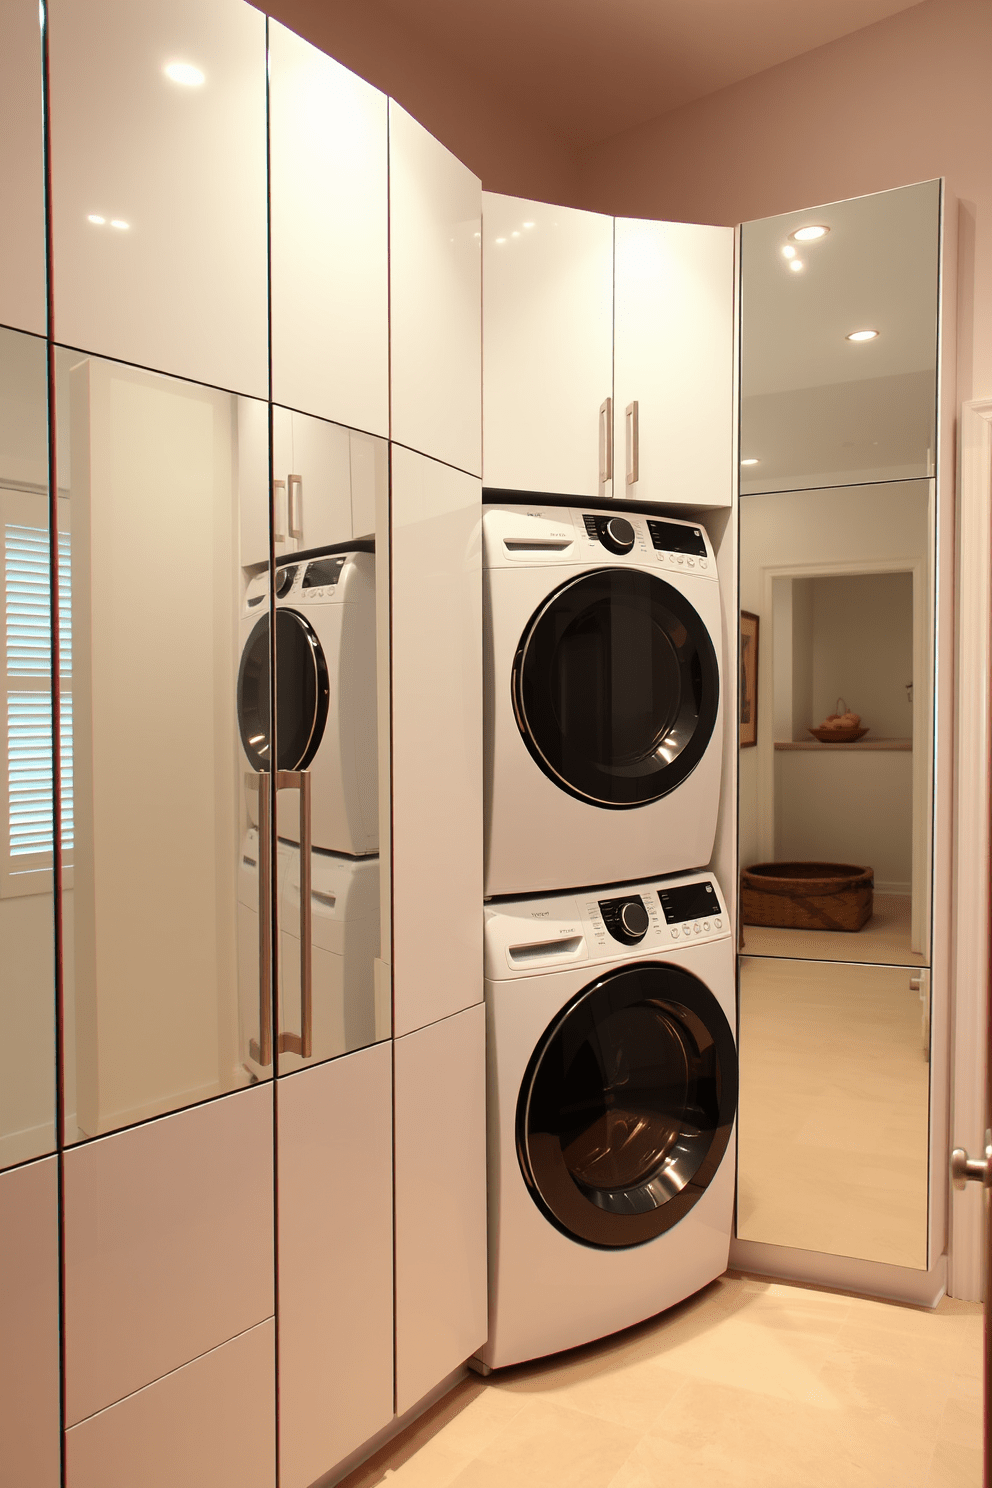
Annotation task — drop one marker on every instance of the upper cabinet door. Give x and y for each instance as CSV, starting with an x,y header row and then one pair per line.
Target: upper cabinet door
x,y
435,290
329,187
674,362
547,311
22,170
159,185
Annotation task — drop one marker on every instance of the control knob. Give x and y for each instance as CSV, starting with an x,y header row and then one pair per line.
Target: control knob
x,y
616,534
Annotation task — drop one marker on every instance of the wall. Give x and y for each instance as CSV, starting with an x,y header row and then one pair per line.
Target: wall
x,y
904,100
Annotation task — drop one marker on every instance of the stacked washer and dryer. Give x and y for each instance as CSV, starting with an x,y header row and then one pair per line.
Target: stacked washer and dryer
x,y
609,966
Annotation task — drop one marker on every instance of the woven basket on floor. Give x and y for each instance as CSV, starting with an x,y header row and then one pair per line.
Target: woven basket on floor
x,y
807,896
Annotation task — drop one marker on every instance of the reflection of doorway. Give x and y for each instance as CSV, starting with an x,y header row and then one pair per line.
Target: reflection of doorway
x,y
867,621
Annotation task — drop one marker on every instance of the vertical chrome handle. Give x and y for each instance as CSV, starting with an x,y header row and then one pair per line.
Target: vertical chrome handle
x,y
279,510
632,430
302,1043
262,1051
296,506
606,441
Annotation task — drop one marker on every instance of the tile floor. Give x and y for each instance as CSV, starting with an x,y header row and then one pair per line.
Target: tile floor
x,y
751,1382
885,939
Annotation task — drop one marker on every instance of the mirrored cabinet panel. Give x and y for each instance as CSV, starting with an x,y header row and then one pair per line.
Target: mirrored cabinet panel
x,y
839,342
166,979
27,962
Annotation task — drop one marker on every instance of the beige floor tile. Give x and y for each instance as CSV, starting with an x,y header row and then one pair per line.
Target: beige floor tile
x,y
955,1465
549,1446
860,1379
436,1465
962,1421
485,1416
885,938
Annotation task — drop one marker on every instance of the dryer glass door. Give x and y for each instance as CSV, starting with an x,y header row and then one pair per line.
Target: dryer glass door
x,y
616,687
626,1109
301,693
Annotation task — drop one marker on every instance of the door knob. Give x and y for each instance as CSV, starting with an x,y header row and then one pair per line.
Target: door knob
x,y
965,1169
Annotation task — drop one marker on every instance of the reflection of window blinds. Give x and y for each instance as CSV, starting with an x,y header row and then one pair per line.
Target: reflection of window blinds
x,y
29,712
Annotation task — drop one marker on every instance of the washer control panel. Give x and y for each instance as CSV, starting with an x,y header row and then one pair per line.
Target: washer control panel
x,y
558,536
548,933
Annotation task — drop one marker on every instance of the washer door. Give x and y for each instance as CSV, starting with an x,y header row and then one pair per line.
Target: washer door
x,y
302,693
627,1105
616,687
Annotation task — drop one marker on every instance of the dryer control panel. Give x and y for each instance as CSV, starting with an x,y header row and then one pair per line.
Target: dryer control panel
x,y
527,936
530,536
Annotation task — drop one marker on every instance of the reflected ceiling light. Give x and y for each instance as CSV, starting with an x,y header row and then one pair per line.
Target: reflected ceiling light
x,y
96,219
750,462
861,336
184,73
796,265
119,222
809,234
501,240
528,224
788,251
514,235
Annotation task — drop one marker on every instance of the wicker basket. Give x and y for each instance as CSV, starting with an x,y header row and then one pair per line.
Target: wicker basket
x,y
807,896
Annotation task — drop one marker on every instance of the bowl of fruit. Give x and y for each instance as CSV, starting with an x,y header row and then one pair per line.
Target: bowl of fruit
x,y
842,727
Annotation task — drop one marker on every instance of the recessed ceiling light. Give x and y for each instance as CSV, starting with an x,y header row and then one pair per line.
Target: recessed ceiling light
x,y
861,336
796,265
514,235
809,234
528,224
788,251
119,223
184,73
501,240
750,462
96,219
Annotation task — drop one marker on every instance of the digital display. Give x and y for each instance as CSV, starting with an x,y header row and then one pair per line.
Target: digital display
x,y
675,537
323,571
693,901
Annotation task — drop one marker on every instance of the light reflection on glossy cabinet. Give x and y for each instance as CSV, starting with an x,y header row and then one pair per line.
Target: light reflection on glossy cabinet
x,y
159,185
330,333
22,170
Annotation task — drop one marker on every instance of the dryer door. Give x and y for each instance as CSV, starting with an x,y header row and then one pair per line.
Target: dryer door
x,y
616,687
301,693
627,1106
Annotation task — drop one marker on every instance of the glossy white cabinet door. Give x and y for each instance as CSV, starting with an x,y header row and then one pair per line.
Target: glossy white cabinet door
x,y
674,349
168,1245
335,1261
440,1095
22,170
547,345
29,1326
435,297
436,740
159,186
329,192
210,1424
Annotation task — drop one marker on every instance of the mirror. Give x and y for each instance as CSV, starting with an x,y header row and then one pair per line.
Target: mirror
x,y
27,967
837,551
817,407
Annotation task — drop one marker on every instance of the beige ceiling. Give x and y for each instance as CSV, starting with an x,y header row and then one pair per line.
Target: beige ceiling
x,y
593,68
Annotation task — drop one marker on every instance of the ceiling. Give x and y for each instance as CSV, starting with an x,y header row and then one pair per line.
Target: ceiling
x,y
592,68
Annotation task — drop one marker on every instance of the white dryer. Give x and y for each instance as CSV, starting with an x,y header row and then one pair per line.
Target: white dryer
x,y
325,690
612,1100
603,647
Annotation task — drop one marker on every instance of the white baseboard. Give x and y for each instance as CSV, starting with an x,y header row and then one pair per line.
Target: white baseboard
x,y
842,1273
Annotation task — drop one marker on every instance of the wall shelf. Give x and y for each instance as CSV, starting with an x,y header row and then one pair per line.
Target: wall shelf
x,y
814,746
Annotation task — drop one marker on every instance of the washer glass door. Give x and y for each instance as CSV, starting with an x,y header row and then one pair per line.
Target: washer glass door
x,y
627,1106
616,687
301,693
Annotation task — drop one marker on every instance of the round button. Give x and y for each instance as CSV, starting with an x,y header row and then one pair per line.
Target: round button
x,y
675,935
718,924
634,919
679,559
704,563
686,930
695,928
617,535
691,562
706,924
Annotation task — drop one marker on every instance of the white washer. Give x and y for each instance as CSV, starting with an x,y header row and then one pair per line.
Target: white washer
x,y
325,690
612,1099
603,653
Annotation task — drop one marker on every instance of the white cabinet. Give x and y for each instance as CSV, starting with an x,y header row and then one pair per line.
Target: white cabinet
x,y
435,264
168,1246
440,1094
22,170
674,362
547,346
436,740
29,1325
325,479
329,199
159,185
210,1424
335,1261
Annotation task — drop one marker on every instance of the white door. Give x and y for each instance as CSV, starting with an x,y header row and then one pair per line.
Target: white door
x,y
329,193
547,311
674,362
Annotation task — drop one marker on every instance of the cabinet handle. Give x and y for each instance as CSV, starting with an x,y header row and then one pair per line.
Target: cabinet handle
x,y
302,1043
296,506
279,510
606,441
261,1051
632,429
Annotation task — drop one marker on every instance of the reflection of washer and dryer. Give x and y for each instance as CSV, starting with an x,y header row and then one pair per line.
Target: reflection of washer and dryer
x,y
613,1093
325,689
344,897
603,738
